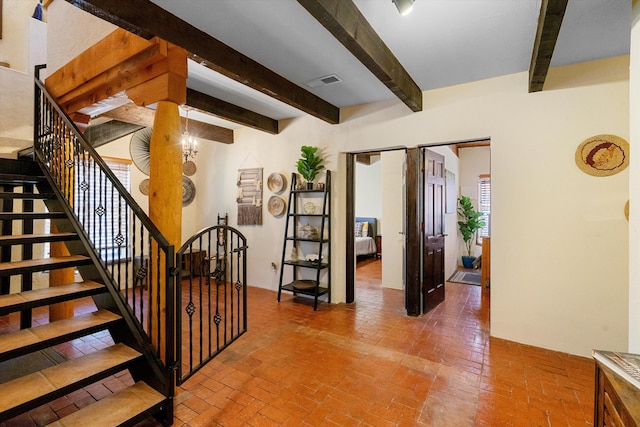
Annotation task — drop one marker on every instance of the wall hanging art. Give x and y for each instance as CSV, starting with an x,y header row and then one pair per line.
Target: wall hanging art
x,y
249,196
603,155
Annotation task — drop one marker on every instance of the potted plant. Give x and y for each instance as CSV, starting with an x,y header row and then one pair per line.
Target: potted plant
x,y
309,164
469,224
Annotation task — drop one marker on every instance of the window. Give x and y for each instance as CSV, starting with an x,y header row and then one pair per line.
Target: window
x,y
484,206
108,230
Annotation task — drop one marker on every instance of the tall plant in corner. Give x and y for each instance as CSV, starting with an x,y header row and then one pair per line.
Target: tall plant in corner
x,y
309,164
469,223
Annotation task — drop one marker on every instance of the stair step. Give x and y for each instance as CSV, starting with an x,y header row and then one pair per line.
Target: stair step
x,y
34,389
25,300
31,265
31,215
26,196
39,337
19,239
17,179
133,403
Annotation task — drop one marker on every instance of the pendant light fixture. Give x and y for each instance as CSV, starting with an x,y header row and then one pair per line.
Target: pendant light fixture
x,y
189,143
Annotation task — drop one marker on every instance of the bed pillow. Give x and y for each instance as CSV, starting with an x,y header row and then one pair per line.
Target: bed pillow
x,y
359,226
365,229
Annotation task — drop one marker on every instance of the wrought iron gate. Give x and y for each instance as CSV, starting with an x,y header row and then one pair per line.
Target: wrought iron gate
x,y
211,300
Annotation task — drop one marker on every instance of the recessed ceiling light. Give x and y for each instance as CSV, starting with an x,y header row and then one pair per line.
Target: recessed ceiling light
x,y
323,81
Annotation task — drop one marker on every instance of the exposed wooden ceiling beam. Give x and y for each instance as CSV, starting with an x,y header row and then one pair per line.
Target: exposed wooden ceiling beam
x,y
104,133
131,113
146,19
549,23
347,24
210,105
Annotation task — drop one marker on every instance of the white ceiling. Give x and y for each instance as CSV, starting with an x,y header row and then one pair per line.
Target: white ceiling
x,y
441,43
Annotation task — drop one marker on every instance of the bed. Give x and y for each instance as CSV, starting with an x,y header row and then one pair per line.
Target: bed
x,y
365,236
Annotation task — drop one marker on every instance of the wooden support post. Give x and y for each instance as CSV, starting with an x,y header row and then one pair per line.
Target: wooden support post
x,y
57,277
165,193
64,276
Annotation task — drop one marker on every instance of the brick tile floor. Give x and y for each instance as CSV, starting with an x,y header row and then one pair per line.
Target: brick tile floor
x,y
368,364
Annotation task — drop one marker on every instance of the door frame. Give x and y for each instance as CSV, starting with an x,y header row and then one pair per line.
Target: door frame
x,y
350,217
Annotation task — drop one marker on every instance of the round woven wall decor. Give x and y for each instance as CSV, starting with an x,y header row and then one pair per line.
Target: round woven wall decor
x,y
139,150
189,168
144,186
188,191
626,210
603,155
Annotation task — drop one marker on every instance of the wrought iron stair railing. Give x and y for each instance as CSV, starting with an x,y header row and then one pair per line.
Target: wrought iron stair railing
x,y
132,257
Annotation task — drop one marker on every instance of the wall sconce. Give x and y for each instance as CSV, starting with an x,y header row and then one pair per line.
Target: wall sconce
x,y
189,143
404,6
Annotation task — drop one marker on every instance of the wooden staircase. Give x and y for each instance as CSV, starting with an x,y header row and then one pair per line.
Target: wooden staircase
x,y
23,183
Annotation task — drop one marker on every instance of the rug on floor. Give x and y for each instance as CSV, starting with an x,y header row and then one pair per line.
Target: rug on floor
x,y
465,277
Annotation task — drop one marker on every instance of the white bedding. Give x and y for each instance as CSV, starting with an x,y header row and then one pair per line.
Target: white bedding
x,y
365,246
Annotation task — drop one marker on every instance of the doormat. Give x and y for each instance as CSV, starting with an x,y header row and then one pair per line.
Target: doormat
x,y
465,277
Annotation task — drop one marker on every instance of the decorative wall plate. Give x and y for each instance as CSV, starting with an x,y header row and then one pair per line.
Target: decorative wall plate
x,y
603,155
139,149
275,182
189,168
144,186
188,191
276,206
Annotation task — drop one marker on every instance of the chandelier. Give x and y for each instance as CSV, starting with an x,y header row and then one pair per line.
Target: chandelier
x,y
189,143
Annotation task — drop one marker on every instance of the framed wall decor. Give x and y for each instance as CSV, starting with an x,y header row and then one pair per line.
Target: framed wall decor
x,y
249,196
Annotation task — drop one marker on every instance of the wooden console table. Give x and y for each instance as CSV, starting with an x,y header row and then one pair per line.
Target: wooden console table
x,y
617,394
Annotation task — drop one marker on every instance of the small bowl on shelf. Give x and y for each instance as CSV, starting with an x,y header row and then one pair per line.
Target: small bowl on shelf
x,y
304,285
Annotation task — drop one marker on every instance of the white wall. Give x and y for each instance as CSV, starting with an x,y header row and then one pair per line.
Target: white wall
x,y
634,186
392,228
559,239
368,185
26,41
16,17
474,162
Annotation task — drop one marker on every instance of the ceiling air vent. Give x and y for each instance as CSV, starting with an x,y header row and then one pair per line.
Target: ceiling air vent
x,y
323,81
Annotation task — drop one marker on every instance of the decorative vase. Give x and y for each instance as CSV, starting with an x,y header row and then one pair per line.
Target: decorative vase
x,y
309,185
467,261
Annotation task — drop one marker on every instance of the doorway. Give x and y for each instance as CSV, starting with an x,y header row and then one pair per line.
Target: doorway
x,y
413,232
379,245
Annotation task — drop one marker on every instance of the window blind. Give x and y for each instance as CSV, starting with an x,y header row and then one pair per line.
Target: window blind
x,y
484,205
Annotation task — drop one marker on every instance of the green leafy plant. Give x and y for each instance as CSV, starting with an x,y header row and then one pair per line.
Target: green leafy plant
x,y
310,163
469,222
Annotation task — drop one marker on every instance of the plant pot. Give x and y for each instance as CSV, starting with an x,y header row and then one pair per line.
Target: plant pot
x,y
467,261
309,185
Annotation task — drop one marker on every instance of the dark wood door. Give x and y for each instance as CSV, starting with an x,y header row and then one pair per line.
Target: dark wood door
x,y
433,231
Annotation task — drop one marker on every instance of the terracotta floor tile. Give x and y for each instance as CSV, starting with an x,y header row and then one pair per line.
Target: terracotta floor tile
x,y
365,364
